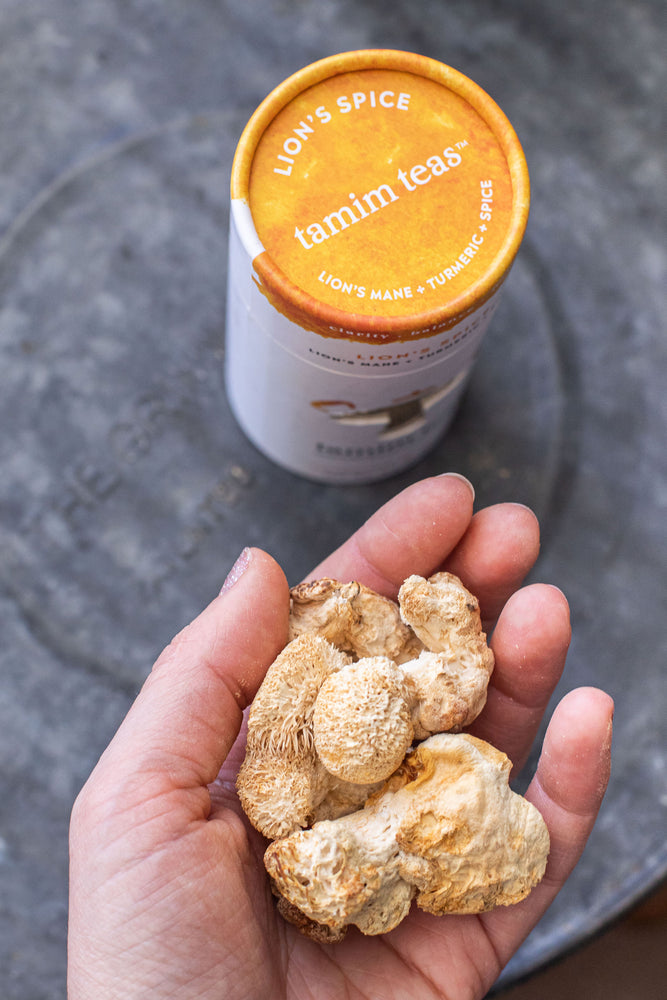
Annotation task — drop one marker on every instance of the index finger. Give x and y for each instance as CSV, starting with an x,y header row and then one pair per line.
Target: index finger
x,y
414,532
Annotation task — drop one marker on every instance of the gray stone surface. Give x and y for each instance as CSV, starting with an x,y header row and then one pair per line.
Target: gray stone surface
x,y
127,490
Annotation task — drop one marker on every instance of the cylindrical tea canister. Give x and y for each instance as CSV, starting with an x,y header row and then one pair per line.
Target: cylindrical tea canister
x,y
378,201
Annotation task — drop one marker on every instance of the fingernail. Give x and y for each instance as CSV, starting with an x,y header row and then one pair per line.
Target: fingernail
x,y
521,506
610,730
457,475
237,571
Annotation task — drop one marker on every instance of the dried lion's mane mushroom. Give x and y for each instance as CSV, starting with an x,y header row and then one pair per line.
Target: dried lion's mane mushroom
x,y
445,830
361,680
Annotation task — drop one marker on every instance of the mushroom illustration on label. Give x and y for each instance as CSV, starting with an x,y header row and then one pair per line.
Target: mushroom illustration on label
x,y
400,416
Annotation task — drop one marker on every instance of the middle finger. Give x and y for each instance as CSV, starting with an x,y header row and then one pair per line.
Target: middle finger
x,y
530,643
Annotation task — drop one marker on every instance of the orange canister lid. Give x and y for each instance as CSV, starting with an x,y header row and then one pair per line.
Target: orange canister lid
x,y
387,195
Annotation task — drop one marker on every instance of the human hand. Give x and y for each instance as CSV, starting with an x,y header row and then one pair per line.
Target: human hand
x,y
168,894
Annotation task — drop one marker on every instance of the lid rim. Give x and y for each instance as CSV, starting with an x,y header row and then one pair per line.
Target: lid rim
x,y
363,323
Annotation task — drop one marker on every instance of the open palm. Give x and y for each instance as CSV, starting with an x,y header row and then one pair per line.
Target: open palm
x,y
169,897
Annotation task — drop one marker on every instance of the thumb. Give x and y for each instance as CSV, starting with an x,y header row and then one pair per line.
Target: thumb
x,y
189,712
